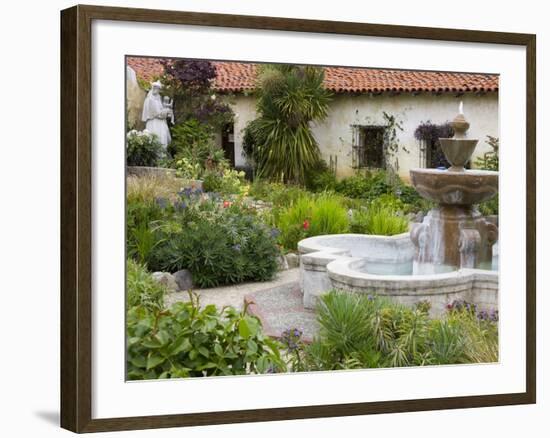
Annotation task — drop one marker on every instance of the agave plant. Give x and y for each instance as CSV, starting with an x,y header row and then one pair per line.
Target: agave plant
x,y
289,98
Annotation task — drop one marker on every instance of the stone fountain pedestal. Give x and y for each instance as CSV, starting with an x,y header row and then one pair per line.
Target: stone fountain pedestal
x,y
452,237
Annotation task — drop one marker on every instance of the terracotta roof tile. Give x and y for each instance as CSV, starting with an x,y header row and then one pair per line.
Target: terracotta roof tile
x,y
238,77
146,68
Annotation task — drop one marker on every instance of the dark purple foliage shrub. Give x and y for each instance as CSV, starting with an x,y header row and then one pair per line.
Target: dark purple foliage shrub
x,y
191,74
191,82
429,131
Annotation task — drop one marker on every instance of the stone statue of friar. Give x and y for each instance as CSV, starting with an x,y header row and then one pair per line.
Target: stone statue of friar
x,y
155,115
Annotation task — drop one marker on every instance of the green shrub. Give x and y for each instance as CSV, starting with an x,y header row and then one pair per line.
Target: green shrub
x,y
368,186
225,182
191,139
311,216
280,140
393,334
411,199
194,150
142,148
359,331
188,169
293,223
489,161
377,220
356,186
490,207
381,184
280,195
388,201
328,216
142,241
212,182
141,288
233,182
219,248
141,224
320,178
480,330
187,341
448,344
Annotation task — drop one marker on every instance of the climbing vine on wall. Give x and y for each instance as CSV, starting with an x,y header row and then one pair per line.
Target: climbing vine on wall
x,y
391,142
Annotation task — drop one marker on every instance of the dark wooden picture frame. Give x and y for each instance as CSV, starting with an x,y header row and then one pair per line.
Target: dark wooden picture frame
x,y
76,217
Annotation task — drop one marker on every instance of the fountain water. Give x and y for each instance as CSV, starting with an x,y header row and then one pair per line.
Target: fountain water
x,y
448,256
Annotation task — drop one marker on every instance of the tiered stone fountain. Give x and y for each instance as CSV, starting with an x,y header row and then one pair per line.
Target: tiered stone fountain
x,y
454,234
448,256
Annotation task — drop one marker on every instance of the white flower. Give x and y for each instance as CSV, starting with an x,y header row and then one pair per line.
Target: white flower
x,y
213,97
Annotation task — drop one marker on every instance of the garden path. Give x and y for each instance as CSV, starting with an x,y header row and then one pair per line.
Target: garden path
x,y
233,295
277,303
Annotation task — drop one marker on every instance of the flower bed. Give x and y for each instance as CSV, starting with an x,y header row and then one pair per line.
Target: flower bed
x,y
219,241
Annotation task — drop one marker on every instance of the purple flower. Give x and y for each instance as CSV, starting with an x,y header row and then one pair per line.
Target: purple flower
x,y
186,192
275,233
290,338
180,205
460,305
483,315
161,202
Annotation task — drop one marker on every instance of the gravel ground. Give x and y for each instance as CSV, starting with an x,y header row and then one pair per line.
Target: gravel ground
x,y
234,295
281,308
278,303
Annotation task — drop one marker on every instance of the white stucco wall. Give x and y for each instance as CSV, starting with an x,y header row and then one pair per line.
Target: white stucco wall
x,y
244,108
334,135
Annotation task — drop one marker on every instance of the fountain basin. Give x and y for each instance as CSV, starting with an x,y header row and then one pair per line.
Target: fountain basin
x,y
450,187
473,285
384,253
383,265
457,151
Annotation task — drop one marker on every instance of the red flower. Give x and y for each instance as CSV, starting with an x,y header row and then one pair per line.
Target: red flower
x,y
306,225
226,204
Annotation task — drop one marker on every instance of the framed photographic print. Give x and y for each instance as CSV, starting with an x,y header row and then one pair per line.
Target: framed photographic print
x,y
268,218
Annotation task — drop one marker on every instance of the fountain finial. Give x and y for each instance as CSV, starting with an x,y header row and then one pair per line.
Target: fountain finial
x,y
460,124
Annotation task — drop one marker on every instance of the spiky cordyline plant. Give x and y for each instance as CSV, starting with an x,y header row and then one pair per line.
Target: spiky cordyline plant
x,y
289,98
